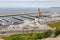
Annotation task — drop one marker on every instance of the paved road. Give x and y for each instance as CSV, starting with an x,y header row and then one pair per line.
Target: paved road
x,y
19,32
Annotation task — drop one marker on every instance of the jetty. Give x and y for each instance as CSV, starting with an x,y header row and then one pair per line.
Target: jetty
x,y
15,14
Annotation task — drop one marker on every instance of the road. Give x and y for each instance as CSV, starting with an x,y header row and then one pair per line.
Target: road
x,y
19,32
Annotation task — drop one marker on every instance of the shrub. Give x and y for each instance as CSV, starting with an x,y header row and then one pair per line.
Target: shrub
x,y
44,35
40,36
47,33
32,36
57,32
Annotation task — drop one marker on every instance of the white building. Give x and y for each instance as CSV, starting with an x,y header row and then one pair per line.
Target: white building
x,y
55,16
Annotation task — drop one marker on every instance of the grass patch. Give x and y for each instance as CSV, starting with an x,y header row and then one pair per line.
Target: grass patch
x,y
54,24
57,25
29,36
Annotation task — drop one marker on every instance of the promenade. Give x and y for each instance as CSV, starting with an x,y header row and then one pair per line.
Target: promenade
x,y
11,32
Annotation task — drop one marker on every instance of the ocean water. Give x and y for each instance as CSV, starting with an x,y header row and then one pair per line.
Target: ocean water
x,y
15,10
29,17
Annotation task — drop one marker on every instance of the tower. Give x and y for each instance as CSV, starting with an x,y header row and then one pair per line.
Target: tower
x,y
39,13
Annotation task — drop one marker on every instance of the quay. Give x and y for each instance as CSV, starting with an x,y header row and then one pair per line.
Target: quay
x,y
15,14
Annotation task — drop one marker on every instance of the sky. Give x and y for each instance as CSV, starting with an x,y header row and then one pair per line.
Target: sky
x,y
29,3
26,0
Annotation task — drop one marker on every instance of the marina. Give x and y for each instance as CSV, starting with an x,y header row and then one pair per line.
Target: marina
x,y
23,22
29,19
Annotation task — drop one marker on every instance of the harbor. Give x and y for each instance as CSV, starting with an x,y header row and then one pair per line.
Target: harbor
x,y
26,22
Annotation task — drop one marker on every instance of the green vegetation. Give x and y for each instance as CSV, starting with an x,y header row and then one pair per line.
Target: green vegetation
x,y
57,25
29,36
35,36
54,24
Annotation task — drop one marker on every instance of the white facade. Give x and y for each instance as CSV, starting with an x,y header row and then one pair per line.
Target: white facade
x,y
40,23
55,16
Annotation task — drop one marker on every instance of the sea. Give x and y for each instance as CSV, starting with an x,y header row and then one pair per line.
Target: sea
x,y
14,10
26,17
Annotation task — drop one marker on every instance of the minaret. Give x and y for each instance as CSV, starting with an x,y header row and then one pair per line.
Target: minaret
x,y
39,14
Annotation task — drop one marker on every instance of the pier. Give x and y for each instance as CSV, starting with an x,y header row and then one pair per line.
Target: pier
x,y
15,14
6,20
17,18
27,17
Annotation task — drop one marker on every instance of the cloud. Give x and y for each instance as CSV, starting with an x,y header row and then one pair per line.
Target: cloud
x,y
30,3
26,0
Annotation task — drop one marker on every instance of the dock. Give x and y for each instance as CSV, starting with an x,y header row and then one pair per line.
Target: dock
x,y
17,18
15,14
27,17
